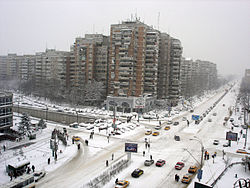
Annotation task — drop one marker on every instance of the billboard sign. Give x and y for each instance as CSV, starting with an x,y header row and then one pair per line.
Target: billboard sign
x,y
131,147
231,136
195,117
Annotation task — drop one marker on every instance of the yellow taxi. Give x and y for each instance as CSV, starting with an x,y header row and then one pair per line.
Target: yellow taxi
x,y
76,138
156,133
242,151
122,184
148,132
186,178
192,169
167,128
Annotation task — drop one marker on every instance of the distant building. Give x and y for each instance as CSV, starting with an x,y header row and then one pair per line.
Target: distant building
x,y
6,113
197,76
91,59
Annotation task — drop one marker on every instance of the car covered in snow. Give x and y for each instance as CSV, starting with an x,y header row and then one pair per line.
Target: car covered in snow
x,y
176,123
39,175
160,163
179,165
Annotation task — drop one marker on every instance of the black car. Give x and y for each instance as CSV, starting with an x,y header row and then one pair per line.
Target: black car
x,y
137,173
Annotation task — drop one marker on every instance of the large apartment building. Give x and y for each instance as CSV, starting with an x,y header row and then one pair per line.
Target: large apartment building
x,y
133,59
52,65
91,56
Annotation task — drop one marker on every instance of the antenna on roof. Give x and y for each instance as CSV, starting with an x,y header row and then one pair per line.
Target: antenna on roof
x,y
158,21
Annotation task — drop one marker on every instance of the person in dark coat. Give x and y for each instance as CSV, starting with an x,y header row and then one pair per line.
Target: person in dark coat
x,y
107,163
116,180
48,160
33,168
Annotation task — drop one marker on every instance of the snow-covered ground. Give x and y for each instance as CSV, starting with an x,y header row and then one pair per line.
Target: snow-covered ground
x,y
75,168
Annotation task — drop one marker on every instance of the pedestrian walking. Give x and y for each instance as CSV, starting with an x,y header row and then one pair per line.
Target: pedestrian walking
x,y
151,157
112,156
146,145
177,178
86,142
11,176
116,181
48,160
208,156
107,163
33,168
143,153
4,147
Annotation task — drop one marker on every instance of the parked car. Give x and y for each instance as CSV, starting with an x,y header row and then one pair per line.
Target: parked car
x,y
39,175
137,173
169,122
149,162
74,125
216,142
214,114
122,184
192,169
186,178
209,120
160,163
156,133
179,165
176,123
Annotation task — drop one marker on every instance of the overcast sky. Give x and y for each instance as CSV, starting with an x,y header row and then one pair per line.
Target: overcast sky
x,y
213,30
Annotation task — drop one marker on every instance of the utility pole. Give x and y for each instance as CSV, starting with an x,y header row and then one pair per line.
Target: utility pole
x,y
246,120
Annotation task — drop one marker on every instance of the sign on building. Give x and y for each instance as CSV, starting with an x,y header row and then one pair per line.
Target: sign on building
x,y
140,102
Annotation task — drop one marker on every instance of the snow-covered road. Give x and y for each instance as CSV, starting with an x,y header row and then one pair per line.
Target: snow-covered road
x,y
85,166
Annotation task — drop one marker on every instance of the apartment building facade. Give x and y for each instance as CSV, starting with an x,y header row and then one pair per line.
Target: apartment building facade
x,y
91,56
133,59
6,113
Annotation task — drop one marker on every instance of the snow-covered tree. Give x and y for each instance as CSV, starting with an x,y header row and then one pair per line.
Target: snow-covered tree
x,y
41,124
24,125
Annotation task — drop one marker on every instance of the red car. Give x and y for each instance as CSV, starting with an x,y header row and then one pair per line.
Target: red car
x,y
179,165
160,163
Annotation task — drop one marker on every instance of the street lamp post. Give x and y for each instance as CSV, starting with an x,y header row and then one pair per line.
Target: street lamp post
x,y
46,113
202,151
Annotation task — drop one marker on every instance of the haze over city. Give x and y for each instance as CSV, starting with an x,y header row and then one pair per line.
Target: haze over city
x,y
216,31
